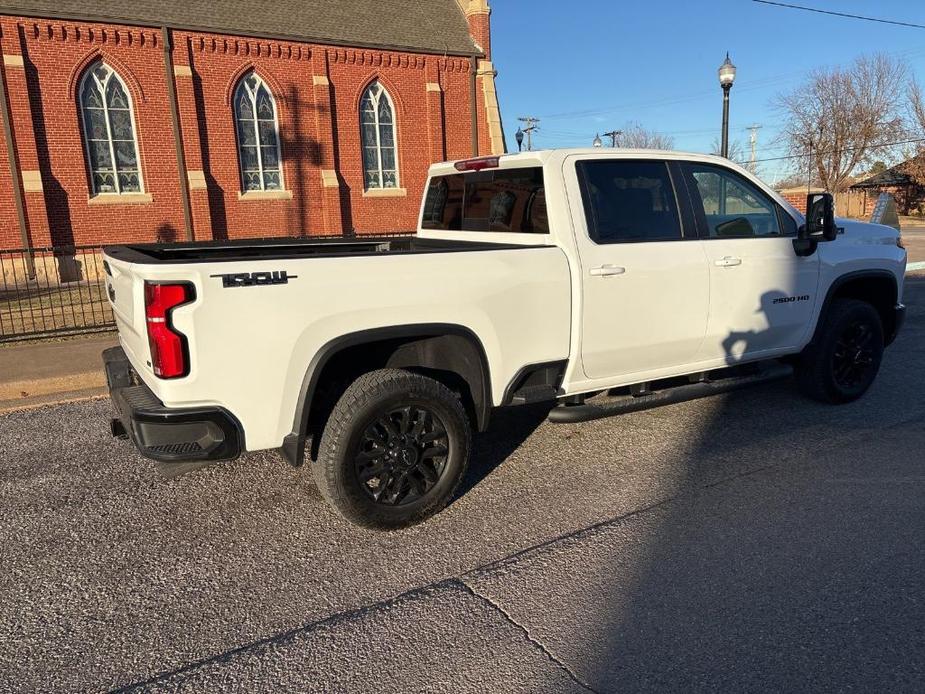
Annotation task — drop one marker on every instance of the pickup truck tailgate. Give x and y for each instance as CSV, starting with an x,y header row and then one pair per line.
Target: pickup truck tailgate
x,y
126,296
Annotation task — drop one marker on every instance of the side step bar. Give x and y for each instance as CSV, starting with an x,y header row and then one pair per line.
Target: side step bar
x,y
625,404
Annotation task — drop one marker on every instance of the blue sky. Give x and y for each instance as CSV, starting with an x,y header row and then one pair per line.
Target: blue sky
x,y
589,66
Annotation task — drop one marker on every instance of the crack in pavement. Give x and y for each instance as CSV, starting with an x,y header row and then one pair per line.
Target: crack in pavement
x,y
526,632
460,581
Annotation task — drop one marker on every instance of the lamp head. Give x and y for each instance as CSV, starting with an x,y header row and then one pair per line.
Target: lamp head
x,y
727,73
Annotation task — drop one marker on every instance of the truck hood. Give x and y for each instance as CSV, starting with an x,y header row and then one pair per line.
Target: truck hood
x,y
865,233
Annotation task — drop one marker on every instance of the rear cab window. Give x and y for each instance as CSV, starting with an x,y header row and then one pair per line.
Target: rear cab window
x,y
629,201
495,200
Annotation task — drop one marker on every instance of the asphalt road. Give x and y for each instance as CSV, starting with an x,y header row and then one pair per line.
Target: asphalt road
x,y
755,541
914,240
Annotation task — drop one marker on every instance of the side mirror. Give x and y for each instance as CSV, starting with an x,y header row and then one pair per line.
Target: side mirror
x,y
820,217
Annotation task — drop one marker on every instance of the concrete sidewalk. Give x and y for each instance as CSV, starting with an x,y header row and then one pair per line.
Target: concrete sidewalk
x,y
38,373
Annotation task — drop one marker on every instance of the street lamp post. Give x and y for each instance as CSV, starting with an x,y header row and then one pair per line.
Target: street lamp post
x,y
519,136
727,75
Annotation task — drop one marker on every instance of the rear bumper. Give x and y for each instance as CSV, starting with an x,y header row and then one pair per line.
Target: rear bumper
x,y
166,434
899,317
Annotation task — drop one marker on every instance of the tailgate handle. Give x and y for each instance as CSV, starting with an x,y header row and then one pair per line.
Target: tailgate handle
x,y
607,271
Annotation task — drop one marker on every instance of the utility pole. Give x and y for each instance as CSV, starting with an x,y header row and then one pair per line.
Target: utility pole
x,y
613,135
531,126
753,141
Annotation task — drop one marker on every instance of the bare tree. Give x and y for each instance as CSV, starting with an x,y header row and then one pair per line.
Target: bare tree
x,y
914,153
635,136
843,115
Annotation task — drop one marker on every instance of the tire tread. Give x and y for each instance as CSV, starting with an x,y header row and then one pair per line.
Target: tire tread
x,y
327,468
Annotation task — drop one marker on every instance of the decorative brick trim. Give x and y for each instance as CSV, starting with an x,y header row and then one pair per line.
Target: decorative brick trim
x,y
351,56
329,178
486,74
395,94
269,79
182,71
32,182
385,193
13,60
433,87
93,33
121,199
249,47
197,179
254,195
126,73
471,7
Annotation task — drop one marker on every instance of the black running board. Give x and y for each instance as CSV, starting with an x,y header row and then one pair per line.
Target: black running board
x,y
569,414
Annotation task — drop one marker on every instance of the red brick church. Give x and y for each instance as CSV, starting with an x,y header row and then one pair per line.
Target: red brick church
x,y
143,121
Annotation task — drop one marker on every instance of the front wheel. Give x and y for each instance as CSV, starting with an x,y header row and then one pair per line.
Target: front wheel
x,y
845,358
394,449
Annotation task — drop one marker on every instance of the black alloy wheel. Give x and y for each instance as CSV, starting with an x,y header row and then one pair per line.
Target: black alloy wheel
x,y
842,361
394,449
402,455
853,357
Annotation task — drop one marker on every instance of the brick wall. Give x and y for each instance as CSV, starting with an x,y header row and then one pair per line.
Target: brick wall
x,y
317,91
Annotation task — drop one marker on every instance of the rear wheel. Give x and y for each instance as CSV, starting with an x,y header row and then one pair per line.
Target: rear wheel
x,y
844,360
394,449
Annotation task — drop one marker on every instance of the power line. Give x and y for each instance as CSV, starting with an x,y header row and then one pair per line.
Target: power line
x,y
841,14
755,85
848,149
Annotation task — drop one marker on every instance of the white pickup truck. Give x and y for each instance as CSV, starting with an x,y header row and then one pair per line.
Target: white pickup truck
x,y
606,280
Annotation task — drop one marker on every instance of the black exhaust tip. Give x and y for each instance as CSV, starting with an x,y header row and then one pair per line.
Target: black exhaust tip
x,y
117,429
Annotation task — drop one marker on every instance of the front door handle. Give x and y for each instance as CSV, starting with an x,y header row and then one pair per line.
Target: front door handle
x,y
728,261
607,271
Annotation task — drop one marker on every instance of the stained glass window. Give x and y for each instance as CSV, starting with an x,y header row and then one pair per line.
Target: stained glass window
x,y
377,131
258,135
109,132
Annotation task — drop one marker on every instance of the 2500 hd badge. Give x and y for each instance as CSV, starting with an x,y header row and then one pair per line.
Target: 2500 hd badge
x,y
791,299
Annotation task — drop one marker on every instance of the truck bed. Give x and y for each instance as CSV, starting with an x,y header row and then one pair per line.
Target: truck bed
x,y
289,248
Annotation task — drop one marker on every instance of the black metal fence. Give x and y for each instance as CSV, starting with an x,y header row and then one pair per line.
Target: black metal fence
x,y
52,291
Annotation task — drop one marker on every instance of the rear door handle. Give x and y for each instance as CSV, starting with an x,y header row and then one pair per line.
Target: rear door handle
x,y
607,271
728,261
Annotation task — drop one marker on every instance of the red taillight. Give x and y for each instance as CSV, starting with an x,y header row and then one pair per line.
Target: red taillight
x,y
168,347
478,164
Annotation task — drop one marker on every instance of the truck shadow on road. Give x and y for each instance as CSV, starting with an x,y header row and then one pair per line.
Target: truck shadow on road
x,y
783,552
508,431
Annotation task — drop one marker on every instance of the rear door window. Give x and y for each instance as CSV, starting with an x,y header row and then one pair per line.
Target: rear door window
x,y
629,201
500,200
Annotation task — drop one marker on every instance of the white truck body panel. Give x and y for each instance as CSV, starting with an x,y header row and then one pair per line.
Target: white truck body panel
x,y
620,314
250,348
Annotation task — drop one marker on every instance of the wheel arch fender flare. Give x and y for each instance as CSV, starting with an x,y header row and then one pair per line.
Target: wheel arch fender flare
x,y
470,365
842,281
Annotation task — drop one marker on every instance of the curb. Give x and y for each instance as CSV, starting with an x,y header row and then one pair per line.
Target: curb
x,y
913,267
34,403
40,387
29,394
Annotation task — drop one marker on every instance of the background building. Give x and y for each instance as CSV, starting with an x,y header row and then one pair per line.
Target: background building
x,y
144,121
